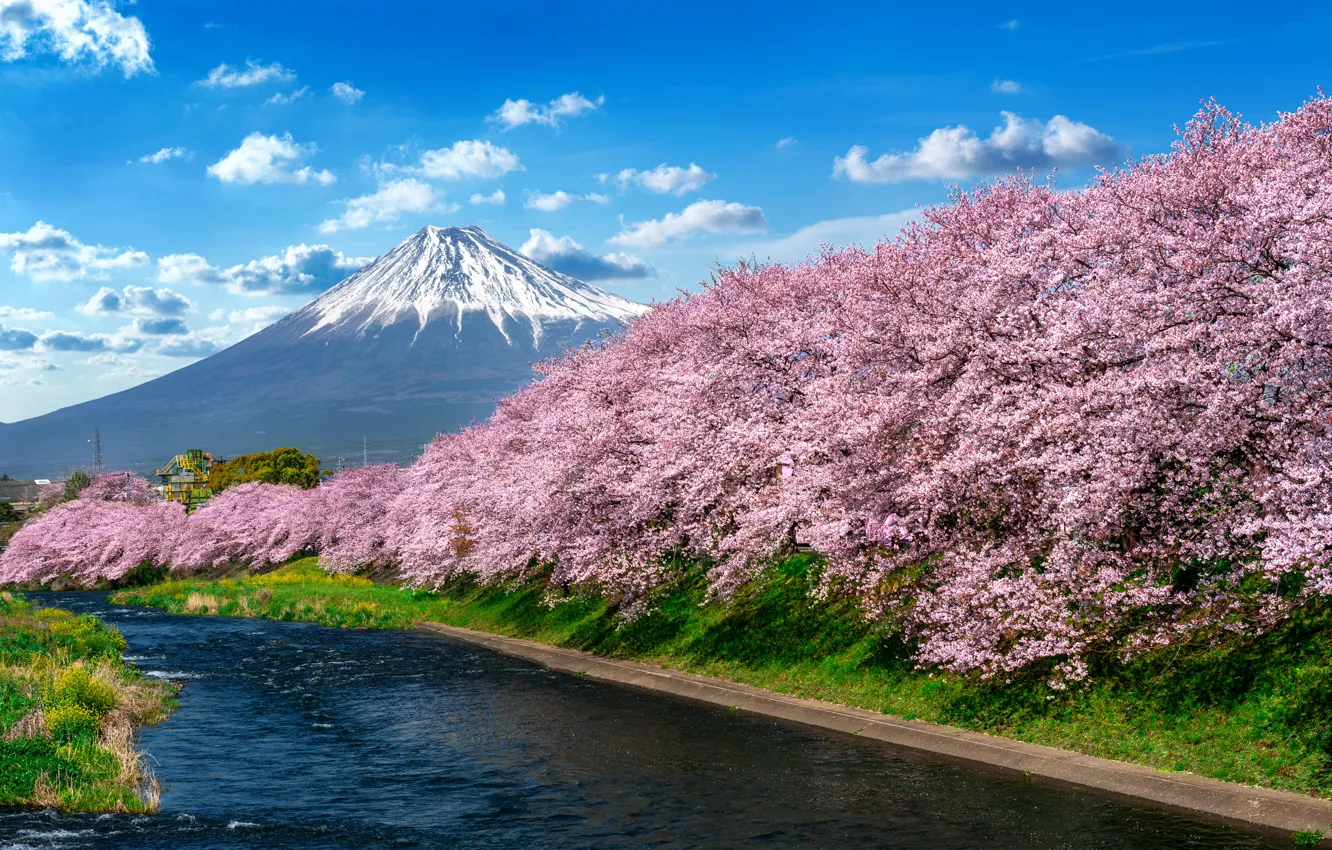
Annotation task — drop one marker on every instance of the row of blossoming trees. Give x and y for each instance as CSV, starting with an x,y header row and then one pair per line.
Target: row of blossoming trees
x,y
1035,427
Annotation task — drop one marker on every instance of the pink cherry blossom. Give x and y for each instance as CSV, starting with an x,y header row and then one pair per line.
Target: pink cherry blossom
x,y
1034,427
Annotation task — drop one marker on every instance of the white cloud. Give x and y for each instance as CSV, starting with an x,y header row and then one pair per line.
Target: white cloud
x,y
391,200
136,301
559,199
267,315
565,255
257,314
75,30
666,179
301,268
268,159
1158,50
865,231
253,319
48,253
106,302
130,371
197,344
120,365
346,92
75,341
165,154
466,159
1011,26
1006,87
108,359
281,99
495,198
166,326
17,339
954,153
698,217
24,314
298,270
515,113
782,144
225,76
190,346
188,268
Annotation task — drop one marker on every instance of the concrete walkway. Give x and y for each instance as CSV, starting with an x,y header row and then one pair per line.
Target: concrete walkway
x,y
1277,810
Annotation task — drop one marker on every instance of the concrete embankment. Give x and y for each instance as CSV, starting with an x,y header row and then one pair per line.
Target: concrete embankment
x,y
1275,810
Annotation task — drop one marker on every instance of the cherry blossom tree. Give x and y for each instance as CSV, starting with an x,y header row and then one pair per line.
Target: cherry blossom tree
x,y
1035,428
256,524
351,509
87,542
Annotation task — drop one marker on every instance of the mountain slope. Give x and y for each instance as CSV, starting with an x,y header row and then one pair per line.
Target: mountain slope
x,y
424,339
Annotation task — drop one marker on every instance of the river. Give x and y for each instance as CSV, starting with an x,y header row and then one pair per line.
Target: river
x,y
297,736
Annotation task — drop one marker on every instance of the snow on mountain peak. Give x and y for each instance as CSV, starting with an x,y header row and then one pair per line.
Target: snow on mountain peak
x,y
442,273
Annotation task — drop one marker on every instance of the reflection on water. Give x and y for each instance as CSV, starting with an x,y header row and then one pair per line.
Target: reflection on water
x,y
292,735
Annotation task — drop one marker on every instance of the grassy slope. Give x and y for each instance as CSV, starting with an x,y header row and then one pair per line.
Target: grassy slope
x,y
1258,712
7,531
68,709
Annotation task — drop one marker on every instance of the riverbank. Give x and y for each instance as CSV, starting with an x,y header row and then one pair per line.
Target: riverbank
x,y
1280,810
69,706
1254,712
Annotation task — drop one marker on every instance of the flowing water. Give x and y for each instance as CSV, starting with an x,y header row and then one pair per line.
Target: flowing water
x,y
297,736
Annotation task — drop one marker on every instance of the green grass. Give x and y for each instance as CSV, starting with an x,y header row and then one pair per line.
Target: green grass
x,y
1256,711
68,708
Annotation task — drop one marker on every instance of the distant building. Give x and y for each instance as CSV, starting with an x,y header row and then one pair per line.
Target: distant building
x,y
185,479
22,496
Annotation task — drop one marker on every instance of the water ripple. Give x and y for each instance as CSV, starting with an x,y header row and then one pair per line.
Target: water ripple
x,y
295,736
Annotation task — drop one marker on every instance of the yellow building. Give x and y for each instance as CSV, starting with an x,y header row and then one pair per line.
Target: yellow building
x,y
185,479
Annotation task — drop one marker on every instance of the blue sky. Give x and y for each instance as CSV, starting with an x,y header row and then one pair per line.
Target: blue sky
x,y
175,175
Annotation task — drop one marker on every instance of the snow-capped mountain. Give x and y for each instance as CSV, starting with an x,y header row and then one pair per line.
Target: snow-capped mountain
x,y
424,339
442,274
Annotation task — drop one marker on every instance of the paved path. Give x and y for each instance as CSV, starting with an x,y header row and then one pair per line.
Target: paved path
x,y
1281,810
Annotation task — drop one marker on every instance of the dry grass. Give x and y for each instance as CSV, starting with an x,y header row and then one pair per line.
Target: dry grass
x,y
201,603
44,794
138,703
30,725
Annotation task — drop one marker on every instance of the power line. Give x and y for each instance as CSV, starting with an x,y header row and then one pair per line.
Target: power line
x,y
97,449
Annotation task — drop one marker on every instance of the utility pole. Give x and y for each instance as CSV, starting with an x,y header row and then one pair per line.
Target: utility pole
x,y
97,450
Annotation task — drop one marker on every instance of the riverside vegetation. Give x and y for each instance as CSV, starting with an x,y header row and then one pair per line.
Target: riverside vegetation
x,y
1063,454
1251,711
69,705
